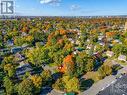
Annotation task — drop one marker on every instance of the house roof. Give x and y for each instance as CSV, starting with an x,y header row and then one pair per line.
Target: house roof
x,y
122,57
23,68
118,88
109,53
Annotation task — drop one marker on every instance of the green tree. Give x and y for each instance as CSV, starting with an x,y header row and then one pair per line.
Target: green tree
x,y
90,65
9,69
105,70
46,75
38,56
26,87
37,81
9,86
119,49
80,65
71,84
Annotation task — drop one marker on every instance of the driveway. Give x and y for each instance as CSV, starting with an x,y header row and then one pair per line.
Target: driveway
x,y
106,82
100,85
54,92
50,91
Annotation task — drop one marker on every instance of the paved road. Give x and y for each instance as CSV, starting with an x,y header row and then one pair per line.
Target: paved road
x,y
53,92
118,88
100,85
49,91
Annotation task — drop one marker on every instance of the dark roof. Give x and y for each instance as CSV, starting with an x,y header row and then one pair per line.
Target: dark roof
x,y
22,70
118,88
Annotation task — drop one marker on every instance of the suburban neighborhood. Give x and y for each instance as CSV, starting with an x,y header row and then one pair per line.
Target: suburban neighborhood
x,y
63,56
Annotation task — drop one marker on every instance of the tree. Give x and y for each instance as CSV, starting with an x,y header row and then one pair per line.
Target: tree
x,y
38,36
119,49
70,84
8,60
9,86
38,56
46,75
9,69
26,87
37,81
105,70
90,65
68,65
80,64
59,85
19,41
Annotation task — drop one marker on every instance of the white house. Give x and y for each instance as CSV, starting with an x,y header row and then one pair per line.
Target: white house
x,y
102,43
122,58
88,40
71,40
89,46
77,42
109,53
100,38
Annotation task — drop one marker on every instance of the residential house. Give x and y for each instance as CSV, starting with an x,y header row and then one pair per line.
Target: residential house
x,y
88,40
4,51
71,40
122,58
100,38
24,34
89,46
23,68
109,53
10,43
16,49
19,57
102,43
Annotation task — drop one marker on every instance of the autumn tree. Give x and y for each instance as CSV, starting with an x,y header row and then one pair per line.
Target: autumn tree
x,y
67,83
37,81
105,70
38,56
26,87
47,78
9,86
90,64
68,65
9,69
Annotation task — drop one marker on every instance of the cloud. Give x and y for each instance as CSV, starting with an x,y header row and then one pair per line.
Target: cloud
x,y
51,2
75,7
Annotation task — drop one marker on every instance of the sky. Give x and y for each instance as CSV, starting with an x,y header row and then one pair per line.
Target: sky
x,y
70,7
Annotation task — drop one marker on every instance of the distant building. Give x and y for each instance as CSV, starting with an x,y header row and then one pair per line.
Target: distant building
x,y
109,53
19,57
89,46
125,26
100,38
122,58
